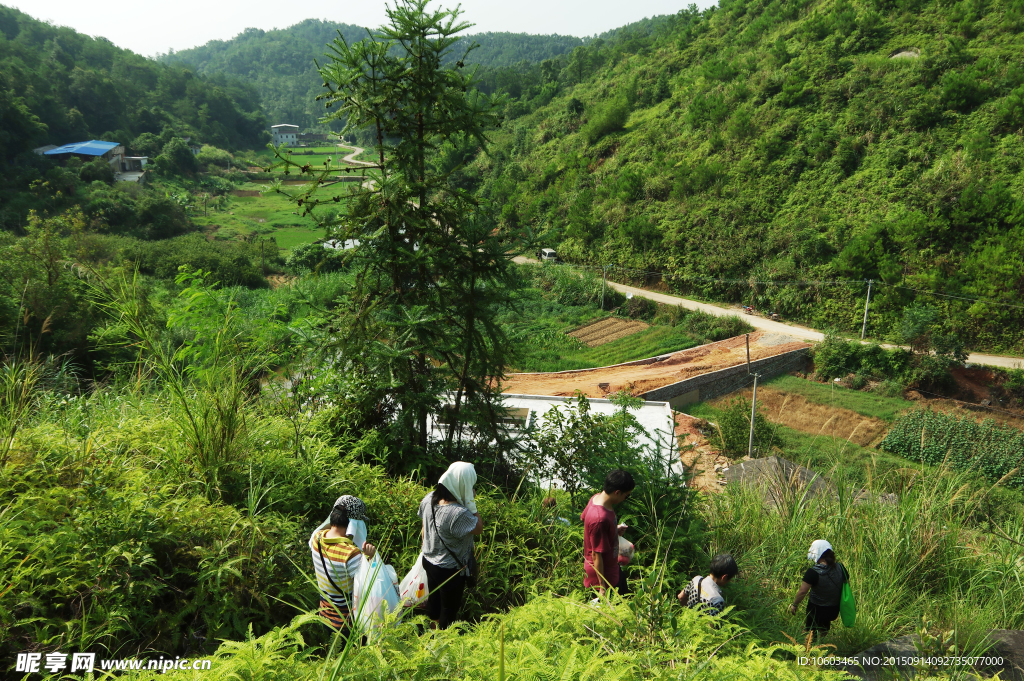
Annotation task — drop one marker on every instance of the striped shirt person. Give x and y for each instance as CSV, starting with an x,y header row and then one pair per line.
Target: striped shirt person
x,y
336,559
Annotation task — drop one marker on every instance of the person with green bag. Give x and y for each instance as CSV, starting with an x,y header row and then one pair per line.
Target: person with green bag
x,y
828,582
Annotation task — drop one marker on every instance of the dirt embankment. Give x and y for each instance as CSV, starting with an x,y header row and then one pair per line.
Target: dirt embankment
x,y
279,280
702,463
799,413
645,375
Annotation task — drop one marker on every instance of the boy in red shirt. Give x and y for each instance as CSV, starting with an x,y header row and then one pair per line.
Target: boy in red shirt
x,y
601,533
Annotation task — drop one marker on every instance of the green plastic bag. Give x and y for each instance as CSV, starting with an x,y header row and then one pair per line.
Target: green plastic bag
x,y
847,606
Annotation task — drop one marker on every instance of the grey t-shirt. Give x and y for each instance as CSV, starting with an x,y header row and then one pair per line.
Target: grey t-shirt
x,y
455,523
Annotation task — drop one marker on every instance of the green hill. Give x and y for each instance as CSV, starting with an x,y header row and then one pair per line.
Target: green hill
x,y
279,63
59,86
796,142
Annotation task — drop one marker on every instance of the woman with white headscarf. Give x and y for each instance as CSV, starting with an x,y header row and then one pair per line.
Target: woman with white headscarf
x,y
824,580
450,521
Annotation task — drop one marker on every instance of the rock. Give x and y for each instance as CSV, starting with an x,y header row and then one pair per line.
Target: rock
x,y
782,482
1007,644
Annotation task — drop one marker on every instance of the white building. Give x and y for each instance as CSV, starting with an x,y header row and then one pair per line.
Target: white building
x,y
528,411
285,133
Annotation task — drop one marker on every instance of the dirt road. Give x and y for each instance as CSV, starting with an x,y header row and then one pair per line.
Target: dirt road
x,y
801,332
762,324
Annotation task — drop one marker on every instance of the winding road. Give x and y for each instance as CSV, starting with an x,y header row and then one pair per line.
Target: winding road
x,y
351,158
760,323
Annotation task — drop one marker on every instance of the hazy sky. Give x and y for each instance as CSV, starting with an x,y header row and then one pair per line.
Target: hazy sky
x,y
153,27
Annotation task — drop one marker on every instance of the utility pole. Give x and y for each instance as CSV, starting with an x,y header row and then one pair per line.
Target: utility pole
x,y
753,415
604,281
867,302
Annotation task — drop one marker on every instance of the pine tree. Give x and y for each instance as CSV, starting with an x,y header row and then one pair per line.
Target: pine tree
x,y
432,271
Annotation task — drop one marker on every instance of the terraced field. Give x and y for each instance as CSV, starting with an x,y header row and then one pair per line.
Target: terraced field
x,y
607,330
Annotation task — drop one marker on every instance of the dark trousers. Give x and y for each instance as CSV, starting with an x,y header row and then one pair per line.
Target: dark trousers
x,y
446,590
820,618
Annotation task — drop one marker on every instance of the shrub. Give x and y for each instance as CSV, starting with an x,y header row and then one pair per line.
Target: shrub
x,y
315,258
732,435
177,159
212,156
608,118
638,307
937,437
97,170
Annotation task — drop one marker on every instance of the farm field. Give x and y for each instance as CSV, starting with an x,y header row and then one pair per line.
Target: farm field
x,y
315,157
251,209
607,330
814,429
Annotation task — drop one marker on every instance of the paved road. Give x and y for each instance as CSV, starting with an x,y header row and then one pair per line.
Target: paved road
x,y
801,332
351,158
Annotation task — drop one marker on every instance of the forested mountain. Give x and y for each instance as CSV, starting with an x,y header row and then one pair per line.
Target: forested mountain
x,y
280,62
810,144
59,86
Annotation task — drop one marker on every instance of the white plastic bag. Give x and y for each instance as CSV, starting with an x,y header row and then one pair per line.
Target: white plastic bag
x,y
413,589
374,592
626,551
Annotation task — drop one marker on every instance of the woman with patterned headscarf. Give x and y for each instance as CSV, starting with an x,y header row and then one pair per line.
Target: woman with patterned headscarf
x,y
338,548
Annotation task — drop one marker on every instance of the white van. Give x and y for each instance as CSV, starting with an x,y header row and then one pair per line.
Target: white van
x,y
547,254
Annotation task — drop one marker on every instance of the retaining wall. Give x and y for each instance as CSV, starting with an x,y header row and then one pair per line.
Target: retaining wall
x,y
724,381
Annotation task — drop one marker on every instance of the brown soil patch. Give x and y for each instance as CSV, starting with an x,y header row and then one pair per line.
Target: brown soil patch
x,y
702,463
279,280
244,192
974,384
795,411
607,330
645,375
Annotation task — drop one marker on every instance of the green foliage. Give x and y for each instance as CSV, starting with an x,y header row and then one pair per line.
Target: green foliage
x,y
177,159
992,450
230,263
927,365
432,272
567,286
98,170
606,119
315,258
732,431
864,403
548,638
792,161
906,557
212,156
639,307
279,63
61,86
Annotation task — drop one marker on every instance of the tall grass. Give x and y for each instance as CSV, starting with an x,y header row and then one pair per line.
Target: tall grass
x,y
211,375
922,555
18,379
863,403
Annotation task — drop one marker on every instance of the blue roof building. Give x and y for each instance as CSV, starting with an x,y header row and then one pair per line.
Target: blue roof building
x,y
126,168
90,148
